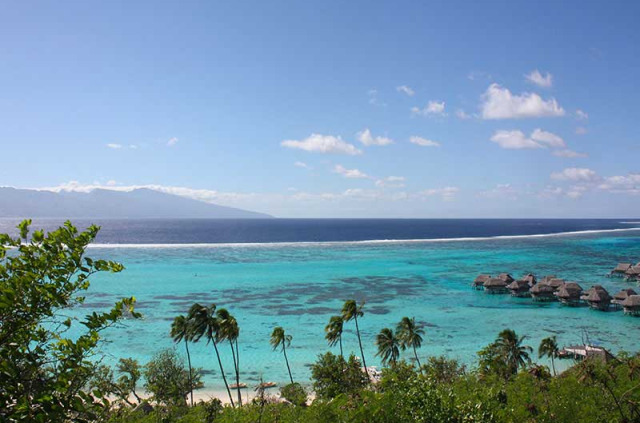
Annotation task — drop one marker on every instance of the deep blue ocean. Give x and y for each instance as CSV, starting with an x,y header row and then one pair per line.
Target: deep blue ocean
x,y
296,273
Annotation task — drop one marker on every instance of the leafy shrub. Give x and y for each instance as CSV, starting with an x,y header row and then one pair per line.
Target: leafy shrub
x,y
332,376
167,379
294,393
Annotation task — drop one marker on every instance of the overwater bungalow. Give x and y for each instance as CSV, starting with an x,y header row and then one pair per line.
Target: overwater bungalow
x,y
569,293
506,277
555,283
547,278
478,283
620,269
621,296
633,273
631,305
530,279
598,298
519,288
542,292
495,286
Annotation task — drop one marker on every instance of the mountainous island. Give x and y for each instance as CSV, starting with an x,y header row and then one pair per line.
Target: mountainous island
x,y
103,203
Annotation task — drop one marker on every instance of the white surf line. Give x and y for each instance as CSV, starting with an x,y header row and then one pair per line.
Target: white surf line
x,y
364,242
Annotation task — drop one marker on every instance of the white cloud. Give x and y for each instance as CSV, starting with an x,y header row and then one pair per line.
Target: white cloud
x,y
461,114
406,89
547,138
433,108
302,165
373,98
514,140
423,142
114,146
517,140
391,182
569,154
317,143
500,103
582,115
447,193
367,139
536,77
629,184
349,173
172,141
500,191
581,130
578,174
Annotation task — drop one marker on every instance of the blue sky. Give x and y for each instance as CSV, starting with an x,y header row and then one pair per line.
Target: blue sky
x,y
329,109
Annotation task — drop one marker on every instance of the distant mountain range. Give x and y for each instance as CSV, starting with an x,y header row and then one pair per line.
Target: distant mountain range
x,y
102,203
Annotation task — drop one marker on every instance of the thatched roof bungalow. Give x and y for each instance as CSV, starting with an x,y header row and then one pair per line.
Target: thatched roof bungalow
x,y
542,292
547,278
631,305
555,283
622,295
598,298
506,277
633,272
519,288
530,278
621,268
569,293
495,286
478,283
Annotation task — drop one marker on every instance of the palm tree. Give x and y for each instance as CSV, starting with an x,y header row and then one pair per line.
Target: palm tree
x,y
278,338
205,323
230,331
334,332
513,352
181,331
549,348
410,335
388,346
351,311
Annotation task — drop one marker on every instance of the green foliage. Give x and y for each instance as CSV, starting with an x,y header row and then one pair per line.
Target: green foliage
x,y
505,355
443,370
167,379
44,370
294,393
332,376
388,346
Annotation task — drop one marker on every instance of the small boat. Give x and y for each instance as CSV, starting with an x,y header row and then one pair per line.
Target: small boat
x,y
265,385
240,385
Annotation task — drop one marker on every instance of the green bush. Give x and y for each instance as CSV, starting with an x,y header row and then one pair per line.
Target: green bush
x,y
294,393
332,376
167,379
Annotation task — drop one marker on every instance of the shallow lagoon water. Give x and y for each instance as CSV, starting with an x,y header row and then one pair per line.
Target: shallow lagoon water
x,y
299,286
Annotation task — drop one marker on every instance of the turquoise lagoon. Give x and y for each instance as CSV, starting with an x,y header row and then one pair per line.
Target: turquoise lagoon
x,y
300,285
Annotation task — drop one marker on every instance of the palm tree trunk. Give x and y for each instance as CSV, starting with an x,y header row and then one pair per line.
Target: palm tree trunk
x,y
553,365
364,363
284,350
417,359
224,378
341,353
235,366
238,363
186,345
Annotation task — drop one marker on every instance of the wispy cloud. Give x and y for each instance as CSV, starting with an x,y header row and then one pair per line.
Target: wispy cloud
x,y
423,142
535,77
575,174
349,173
446,193
302,165
461,114
433,108
500,103
317,143
517,140
391,182
582,115
570,154
373,98
406,90
114,146
172,141
367,139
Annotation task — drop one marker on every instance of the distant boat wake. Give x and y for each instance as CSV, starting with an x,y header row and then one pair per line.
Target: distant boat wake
x,y
361,242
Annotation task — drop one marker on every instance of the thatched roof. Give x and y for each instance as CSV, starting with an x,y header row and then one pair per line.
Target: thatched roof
x,y
482,279
597,294
570,290
622,295
633,271
506,277
622,267
519,285
495,283
631,301
547,278
542,288
530,279
555,283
